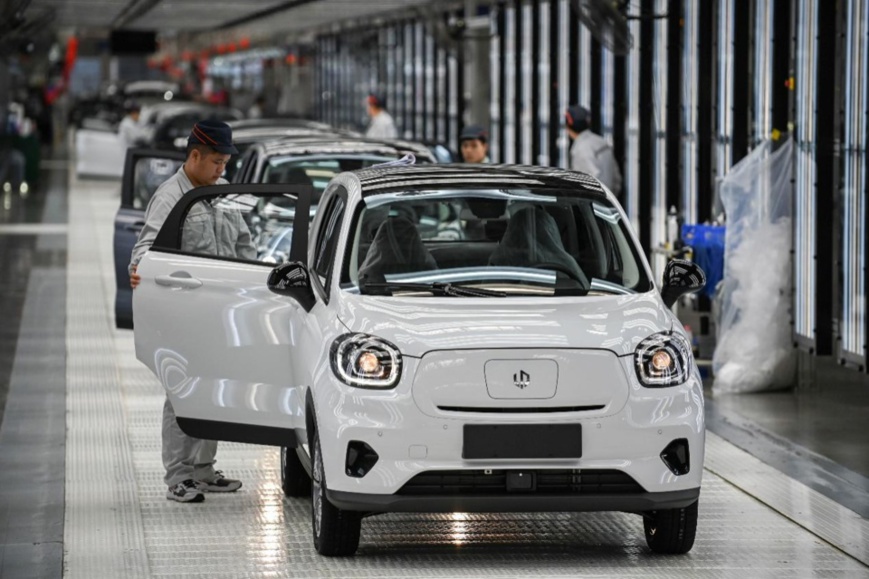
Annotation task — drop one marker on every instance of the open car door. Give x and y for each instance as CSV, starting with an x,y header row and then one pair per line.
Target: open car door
x,y
206,323
144,171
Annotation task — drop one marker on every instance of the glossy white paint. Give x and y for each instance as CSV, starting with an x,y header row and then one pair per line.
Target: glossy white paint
x,y
231,351
99,153
217,338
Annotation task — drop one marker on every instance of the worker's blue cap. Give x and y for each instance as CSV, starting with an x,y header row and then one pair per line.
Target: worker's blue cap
x,y
214,134
474,132
577,118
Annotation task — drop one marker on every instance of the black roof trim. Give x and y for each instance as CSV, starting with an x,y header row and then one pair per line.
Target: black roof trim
x,y
377,180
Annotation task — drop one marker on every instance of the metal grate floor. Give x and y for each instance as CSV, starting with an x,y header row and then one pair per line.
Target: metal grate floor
x,y
118,523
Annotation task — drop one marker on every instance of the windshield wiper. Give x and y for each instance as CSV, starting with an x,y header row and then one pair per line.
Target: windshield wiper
x,y
437,288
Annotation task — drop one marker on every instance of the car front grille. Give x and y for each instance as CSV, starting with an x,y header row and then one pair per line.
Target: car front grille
x,y
547,481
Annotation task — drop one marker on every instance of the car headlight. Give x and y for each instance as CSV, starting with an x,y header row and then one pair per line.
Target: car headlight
x,y
365,361
663,359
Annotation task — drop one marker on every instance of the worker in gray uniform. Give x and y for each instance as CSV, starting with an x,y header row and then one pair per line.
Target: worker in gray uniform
x,y
210,230
382,126
590,153
474,144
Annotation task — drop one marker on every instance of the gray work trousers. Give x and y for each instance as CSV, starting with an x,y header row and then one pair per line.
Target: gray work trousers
x,y
185,457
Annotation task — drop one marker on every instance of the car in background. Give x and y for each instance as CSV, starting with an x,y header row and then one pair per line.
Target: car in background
x,y
144,171
246,132
442,153
99,151
306,157
311,160
290,122
170,123
448,338
321,157
147,92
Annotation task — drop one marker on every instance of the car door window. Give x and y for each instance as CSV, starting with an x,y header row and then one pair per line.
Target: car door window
x,y
148,174
240,226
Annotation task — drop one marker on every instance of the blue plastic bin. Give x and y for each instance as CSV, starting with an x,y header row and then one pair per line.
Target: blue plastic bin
x,y
707,241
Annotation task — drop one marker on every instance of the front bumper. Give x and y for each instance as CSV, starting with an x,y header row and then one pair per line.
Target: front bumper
x,y
409,442
633,503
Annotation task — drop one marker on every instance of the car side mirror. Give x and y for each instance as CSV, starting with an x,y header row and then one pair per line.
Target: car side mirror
x,y
681,277
292,279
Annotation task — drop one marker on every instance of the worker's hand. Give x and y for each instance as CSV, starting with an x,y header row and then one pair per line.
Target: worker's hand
x,y
135,278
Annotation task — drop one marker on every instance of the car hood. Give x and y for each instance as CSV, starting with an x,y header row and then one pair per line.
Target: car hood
x,y
420,325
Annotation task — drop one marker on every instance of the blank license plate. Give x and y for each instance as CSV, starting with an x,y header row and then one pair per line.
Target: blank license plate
x,y
522,441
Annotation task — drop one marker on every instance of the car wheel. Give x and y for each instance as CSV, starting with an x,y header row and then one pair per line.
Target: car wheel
x,y
336,532
294,479
671,531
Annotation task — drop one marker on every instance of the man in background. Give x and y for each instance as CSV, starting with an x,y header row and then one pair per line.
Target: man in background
x,y
382,126
590,153
131,132
474,144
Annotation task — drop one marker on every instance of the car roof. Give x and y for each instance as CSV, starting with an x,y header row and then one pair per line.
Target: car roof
x,y
327,144
259,133
138,86
279,122
163,110
379,180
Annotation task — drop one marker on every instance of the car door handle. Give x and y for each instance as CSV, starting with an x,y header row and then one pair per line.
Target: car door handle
x,y
137,226
178,279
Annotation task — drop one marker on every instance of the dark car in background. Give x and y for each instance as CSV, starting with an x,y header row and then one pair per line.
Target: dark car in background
x,y
144,171
171,122
246,132
310,161
320,158
305,156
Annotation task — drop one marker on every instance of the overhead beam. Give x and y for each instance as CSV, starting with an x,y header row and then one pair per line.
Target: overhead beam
x,y
264,13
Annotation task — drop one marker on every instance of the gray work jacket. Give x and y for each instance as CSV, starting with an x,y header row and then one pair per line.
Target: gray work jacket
x,y
382,127
207,230
591,154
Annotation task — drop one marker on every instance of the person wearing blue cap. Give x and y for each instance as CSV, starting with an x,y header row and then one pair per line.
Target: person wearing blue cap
x,y
590,153
382,126
189,462
474,144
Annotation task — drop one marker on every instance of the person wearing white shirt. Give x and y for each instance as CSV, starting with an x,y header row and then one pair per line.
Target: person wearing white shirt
x,y
382,126
590,153
132,133
256,111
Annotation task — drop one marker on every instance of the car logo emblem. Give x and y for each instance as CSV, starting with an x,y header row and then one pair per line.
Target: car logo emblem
x,y
522,380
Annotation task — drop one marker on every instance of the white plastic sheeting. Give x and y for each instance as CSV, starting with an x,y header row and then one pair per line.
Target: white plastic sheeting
x,y
754,351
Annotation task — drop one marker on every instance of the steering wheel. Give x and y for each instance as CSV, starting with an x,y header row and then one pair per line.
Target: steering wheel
x,y
560,267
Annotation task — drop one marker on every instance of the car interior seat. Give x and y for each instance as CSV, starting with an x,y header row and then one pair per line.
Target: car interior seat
x,y
396,248
297,176
532,239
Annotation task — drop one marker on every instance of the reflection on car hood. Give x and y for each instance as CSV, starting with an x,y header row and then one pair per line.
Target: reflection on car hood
x,y
419,325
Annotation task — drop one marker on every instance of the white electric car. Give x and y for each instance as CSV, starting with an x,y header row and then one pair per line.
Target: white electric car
x,y
447,338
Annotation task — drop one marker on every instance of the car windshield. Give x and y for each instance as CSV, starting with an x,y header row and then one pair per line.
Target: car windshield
x,y
315,171
503,242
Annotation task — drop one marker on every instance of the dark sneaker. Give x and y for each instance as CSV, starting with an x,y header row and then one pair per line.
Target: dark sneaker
x,y
219,484
185,492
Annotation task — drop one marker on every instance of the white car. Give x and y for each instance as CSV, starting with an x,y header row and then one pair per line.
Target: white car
x,y
448,338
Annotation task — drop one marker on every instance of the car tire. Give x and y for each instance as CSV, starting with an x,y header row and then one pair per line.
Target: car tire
x,y
294,478
336,531
671,531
